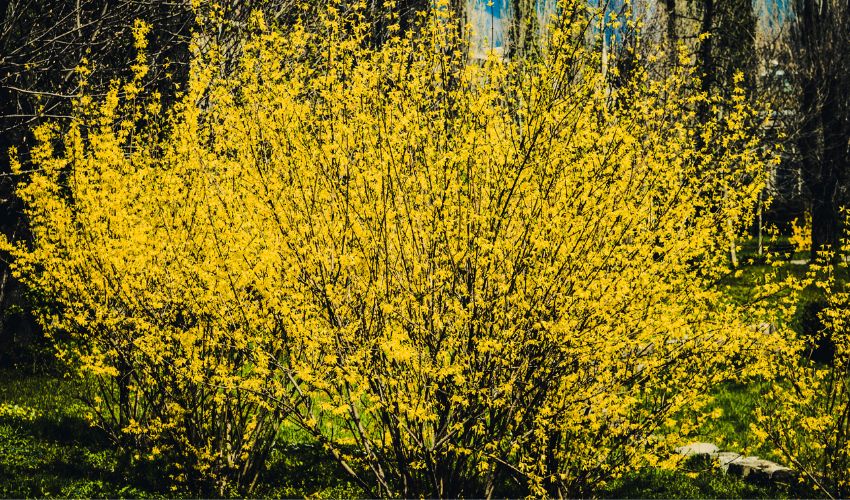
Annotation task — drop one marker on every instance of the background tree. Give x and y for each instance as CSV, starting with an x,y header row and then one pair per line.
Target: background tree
x,y
819,65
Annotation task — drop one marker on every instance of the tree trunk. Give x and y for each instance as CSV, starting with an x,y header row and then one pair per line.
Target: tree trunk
x,y
822,44
124,409
672,37
826,220
826,215
706,55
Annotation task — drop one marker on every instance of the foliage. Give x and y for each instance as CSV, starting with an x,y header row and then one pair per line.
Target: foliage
x,y
801,233
807,418
452,275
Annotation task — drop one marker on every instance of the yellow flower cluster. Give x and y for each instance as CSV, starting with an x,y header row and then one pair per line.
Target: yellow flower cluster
x,y
806,415
450,273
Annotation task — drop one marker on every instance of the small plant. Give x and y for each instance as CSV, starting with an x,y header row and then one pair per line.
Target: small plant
x,y
807,415
801,233
17,412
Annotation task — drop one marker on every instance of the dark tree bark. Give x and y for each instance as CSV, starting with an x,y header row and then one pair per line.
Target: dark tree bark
x,y
820,50
705,58
524,29
672,34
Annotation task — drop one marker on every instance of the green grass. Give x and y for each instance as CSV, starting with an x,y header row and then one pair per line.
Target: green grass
x,y
753,270
696,480
730,431
780,247
305,470
48,450
740,286
736,402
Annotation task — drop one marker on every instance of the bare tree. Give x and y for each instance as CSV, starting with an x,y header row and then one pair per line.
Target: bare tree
x,y
820,68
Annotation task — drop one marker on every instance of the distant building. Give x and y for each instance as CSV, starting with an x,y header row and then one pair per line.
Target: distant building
x,y
490,20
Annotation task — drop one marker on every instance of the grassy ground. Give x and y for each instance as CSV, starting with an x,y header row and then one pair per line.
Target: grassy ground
x,y
731,430
696,481
46,447
736,402
48,450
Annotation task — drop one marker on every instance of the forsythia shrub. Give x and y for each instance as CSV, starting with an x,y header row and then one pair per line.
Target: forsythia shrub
x,y
807,416
134,304
456,275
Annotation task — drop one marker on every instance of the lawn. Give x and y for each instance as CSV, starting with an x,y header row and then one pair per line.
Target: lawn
x,y
47,449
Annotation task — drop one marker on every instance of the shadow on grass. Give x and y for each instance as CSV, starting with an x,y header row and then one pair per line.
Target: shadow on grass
x,y
698,482
48,449
306,470
40,459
